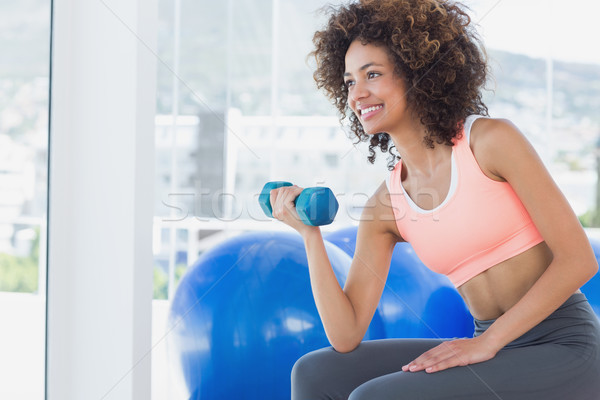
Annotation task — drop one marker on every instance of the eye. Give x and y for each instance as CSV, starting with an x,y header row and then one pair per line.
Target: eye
x,y
349,83
371,75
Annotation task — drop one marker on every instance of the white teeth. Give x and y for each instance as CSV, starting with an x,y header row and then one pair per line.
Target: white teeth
x,y
368,110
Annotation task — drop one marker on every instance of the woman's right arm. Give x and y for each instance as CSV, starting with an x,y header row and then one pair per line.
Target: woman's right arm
x,y
346,313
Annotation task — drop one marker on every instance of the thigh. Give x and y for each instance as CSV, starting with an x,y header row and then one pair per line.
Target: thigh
x,y
549,372
327,374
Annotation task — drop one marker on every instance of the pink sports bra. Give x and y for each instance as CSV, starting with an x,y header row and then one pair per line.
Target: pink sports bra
x,y
481,222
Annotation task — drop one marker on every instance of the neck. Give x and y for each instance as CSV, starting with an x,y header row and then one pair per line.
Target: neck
x,y
417,158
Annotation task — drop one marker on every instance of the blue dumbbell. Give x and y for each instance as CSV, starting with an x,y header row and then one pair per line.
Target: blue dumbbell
x,y
315,205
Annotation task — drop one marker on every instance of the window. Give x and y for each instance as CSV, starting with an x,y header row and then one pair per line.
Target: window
x,y
24,103
547,81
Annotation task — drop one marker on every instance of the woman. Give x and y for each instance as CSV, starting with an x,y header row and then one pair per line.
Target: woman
x,y
474,200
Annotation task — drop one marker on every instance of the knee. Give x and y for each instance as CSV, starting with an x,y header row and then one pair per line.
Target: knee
x,y
306,369
378,388
362,392
309,374
370,391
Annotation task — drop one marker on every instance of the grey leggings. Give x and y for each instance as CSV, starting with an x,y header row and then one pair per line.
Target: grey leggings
x,y
559,359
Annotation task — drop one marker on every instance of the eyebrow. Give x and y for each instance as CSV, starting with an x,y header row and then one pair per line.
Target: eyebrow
x,y
364,67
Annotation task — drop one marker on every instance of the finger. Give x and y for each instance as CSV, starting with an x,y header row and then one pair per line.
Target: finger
x,y
287,206
428,363
434,363
286,199
429,358
456,356
283,206
450,362
273,197
290,194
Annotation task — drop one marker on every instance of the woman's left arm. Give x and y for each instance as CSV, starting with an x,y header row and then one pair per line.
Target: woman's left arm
x,y
504,152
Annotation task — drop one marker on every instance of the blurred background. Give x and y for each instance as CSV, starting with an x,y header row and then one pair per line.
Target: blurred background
x,y
236,107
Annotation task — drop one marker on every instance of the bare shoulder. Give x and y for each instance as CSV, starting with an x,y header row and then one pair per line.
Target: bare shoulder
x,y
495,142
486,129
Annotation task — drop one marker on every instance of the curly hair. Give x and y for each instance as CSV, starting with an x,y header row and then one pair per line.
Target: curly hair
x,y
433,48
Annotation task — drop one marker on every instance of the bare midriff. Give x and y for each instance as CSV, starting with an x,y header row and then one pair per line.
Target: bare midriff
x,y
494,291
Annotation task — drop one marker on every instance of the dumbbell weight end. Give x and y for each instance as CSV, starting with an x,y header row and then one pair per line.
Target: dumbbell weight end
x,y
264,199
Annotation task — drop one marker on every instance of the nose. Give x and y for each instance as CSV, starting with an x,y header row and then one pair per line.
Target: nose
x,y
358,91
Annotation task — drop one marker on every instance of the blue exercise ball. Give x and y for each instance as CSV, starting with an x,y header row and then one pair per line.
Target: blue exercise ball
x,y
243,314
592,288
416,302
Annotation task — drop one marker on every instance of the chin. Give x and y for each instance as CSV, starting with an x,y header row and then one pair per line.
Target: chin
x,y
372,132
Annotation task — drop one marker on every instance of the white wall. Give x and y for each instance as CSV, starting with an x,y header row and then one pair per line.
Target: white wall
x,y
101,194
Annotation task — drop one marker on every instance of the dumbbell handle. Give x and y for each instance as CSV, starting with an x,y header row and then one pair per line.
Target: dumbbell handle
x,y
316,205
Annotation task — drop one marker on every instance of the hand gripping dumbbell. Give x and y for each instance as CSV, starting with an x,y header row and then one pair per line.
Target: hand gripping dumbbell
x,y
315,205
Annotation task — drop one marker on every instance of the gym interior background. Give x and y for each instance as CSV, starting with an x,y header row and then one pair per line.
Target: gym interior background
x,y
136,135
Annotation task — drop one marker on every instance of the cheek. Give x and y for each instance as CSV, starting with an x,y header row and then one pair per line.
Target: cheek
x,y
399,102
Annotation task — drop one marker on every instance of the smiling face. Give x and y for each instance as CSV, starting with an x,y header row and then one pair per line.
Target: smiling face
x,y
375,93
